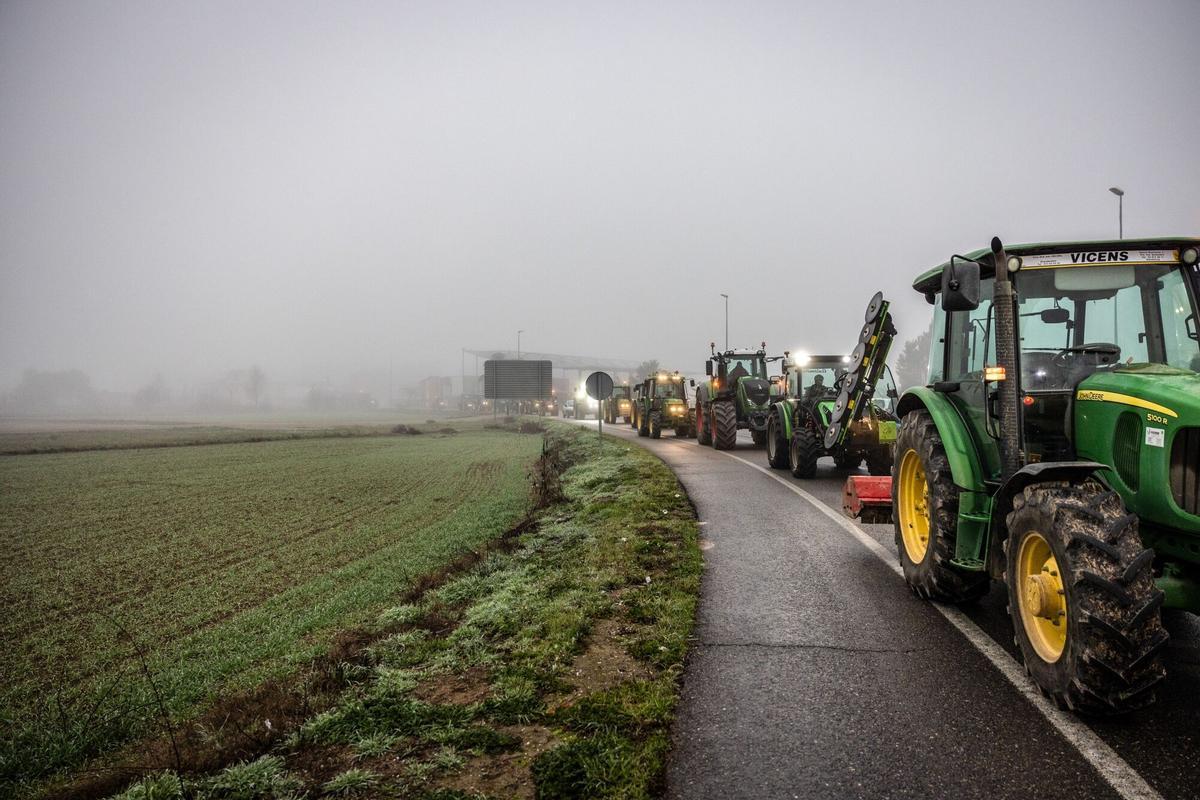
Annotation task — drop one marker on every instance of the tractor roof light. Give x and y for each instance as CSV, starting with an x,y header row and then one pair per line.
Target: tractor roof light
x,y
994,374
1189,256
1014,264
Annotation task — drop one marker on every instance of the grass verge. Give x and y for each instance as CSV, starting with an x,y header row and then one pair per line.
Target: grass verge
x,y
549,668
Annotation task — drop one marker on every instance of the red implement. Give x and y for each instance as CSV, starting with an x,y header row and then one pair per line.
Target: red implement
x,y
868,498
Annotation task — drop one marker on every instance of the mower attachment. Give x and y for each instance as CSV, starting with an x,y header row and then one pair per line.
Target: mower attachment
x,y
868,498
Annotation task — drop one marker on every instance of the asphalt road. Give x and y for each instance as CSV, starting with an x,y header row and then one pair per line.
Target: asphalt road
x,y
816,673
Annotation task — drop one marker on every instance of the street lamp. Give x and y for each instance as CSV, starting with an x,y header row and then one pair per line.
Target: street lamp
x,y
519,344
726,319
1120,193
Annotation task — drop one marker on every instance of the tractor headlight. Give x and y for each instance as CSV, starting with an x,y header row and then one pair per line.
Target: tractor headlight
x,y
1189,256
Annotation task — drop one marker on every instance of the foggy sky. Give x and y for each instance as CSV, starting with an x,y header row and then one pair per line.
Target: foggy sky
x,y
321,188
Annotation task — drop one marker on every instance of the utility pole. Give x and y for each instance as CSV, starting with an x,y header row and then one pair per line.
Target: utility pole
x,y
519,344
726,319
1120,193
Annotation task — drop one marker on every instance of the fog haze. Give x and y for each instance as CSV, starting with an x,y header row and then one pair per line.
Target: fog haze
x,y
331,189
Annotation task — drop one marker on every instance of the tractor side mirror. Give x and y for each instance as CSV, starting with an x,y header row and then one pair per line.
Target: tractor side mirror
x,y
892,393
1056,316
692,382
1190,325
960,285
708,368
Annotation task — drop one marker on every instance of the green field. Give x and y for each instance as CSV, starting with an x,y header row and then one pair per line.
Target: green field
x,y
210,569
548,669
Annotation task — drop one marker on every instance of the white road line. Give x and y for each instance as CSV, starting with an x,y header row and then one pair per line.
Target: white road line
x,y
1122,777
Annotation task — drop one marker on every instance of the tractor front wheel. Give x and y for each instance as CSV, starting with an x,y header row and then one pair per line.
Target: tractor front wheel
x,y
1082,598
805,449
643,424
777,444
703,432
925,515
758,437
655,424
724,422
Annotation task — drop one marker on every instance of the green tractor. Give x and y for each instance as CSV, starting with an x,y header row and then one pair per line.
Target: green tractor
x,y
660,401
839,406
1056,448
736,395
619,407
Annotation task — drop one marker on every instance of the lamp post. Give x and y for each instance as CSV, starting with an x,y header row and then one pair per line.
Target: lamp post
x,y
726,319
1120,193
519,344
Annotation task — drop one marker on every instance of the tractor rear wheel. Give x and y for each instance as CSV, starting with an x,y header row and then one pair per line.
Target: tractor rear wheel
x,y
1082,598
805,449
655,424
724,423
703,432
925,515
758,437
777,444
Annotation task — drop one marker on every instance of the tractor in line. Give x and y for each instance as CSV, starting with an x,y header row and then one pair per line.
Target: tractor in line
x,y
1055,448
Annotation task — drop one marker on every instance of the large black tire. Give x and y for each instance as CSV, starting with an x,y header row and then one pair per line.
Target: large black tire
x,y
632,419
777,444
1110,662
683,432
724,422
643,425
758,437
805,449
655,424
703,426
929,573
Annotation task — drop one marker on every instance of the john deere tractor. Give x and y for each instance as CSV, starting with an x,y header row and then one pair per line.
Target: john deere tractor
x,y
839,406
1056,448
617,407
660,401
736,395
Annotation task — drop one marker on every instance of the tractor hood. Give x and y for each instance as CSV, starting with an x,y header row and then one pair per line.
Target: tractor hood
x,y
756,391
1144,421
1169,392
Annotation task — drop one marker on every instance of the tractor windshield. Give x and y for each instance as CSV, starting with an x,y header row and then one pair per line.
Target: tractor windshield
x,y
818,382
668,387
1076,320
746,367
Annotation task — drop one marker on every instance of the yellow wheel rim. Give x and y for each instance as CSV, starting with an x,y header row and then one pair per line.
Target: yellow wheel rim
x,y
913,507
1041,597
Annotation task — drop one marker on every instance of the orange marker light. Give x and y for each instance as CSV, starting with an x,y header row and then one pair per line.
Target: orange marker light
x,y
994,374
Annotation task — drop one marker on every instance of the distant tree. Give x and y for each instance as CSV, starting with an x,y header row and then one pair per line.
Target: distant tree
x,y
54,391
913,361
152,394
256,379
648,368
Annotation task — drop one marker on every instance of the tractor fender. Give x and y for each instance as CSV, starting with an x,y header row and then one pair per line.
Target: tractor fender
x,y
965,466
1002,501
784,408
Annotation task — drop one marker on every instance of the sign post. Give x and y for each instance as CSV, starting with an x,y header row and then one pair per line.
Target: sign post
x,y
600,388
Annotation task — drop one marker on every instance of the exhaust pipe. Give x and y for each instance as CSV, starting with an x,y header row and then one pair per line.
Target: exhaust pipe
x,y
1007,357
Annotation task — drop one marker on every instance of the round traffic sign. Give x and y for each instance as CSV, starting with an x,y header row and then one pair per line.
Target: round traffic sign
x,y
599,386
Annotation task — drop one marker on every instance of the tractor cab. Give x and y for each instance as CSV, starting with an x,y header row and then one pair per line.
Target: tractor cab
x,y
1091,321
